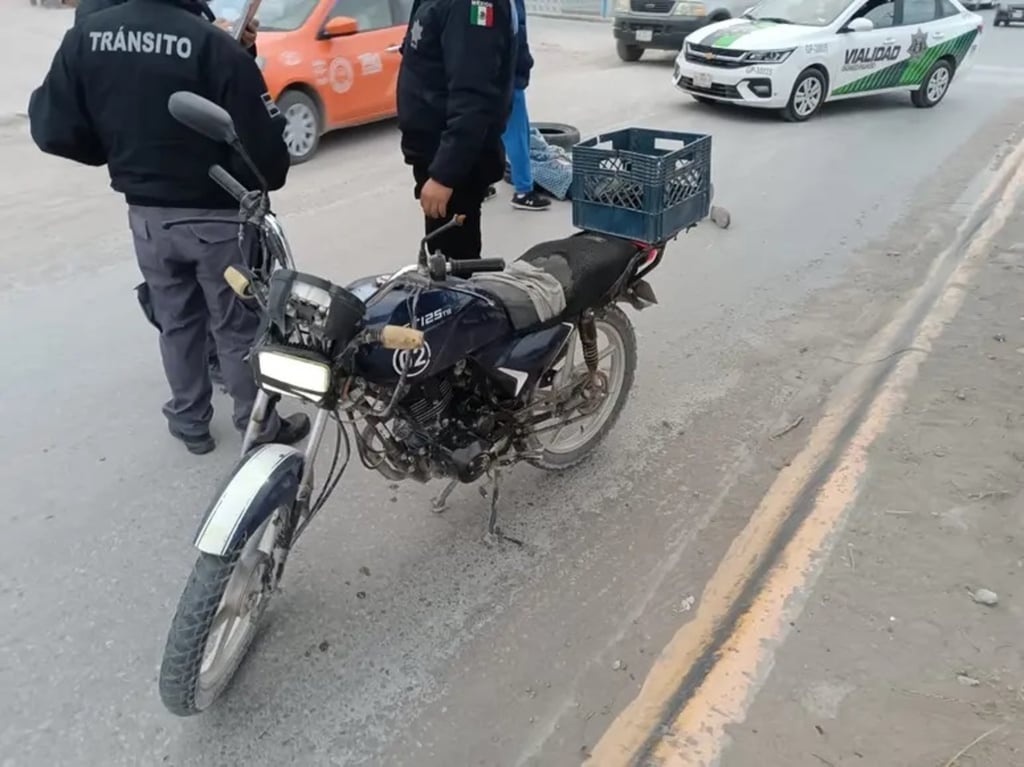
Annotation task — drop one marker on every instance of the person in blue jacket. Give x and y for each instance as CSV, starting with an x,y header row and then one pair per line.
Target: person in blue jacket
x,y
517,131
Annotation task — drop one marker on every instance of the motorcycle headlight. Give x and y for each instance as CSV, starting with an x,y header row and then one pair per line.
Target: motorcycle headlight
x,y
690,9
295,372
768,57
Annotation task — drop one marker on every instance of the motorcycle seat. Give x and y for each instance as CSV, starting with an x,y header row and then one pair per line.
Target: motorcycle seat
x,y
584,266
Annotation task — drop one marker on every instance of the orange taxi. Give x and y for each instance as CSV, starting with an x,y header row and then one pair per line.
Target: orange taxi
x,y
328,63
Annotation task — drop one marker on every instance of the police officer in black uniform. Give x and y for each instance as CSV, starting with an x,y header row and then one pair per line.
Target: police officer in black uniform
x,y
104,101
248,40
454,98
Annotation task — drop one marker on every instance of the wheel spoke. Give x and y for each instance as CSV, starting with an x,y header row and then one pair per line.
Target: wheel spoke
x,y
587,417
220,632
565,374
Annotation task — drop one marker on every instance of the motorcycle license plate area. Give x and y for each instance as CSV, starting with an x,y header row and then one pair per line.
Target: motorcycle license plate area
x,y
702,80
644,35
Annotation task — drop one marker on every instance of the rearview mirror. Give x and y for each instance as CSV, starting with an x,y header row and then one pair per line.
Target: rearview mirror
x,y
859,25
202,116
341,26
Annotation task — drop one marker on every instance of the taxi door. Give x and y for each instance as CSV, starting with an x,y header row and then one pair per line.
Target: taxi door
x,y
358,72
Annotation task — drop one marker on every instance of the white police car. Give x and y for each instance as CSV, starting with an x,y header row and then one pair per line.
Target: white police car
x,y
794,55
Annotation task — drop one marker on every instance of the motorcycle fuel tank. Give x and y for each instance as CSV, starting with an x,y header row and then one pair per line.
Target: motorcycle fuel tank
x,y
455,322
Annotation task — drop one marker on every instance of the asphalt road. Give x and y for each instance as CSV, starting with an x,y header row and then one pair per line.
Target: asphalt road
x,y
448,653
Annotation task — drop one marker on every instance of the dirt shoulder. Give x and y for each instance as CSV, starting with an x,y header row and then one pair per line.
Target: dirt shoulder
x,y
894,662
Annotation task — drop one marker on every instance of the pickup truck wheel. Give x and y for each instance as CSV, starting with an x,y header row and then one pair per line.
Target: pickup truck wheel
x,y
628,52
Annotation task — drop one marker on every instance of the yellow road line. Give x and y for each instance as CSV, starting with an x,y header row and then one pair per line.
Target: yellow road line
x,y
689,696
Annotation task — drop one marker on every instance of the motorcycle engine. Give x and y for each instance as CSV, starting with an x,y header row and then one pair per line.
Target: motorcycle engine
x,y
448,439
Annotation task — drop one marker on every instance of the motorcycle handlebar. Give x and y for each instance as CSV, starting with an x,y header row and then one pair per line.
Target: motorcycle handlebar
x,y
228,183
469,266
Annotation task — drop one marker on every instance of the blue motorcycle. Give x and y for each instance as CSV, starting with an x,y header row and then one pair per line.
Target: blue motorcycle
x,y
445,369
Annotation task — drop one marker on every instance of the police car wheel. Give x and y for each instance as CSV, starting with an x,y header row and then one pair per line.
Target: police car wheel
x,y
807,97
628,52
302,131
934,86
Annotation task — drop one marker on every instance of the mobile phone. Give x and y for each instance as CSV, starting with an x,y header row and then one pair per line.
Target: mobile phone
x,y
245,18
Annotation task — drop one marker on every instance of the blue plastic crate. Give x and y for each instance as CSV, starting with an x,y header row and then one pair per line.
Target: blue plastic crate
x,y
641,184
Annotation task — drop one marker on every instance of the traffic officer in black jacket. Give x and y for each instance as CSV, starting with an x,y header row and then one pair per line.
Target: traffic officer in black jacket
x,y
454,97
248,40
104,101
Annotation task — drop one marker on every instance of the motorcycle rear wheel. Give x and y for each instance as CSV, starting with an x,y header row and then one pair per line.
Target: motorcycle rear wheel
x,y
195,672
555,451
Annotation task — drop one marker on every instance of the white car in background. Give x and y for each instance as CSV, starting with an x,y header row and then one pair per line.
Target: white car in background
x,y
794,55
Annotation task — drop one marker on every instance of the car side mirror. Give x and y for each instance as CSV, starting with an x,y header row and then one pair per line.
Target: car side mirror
x,y
202,116
341,26
859,25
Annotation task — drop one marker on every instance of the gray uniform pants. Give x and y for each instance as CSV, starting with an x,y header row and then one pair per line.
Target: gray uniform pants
x,y
184,270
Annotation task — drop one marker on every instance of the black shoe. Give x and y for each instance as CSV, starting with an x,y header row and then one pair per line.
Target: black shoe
x,y
197,444
530,201
293,429
490,194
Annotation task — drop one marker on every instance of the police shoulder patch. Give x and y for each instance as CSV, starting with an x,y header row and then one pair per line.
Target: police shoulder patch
x,y
481,13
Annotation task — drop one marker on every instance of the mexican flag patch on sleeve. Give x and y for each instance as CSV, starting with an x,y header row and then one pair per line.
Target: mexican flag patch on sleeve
x,y
481,14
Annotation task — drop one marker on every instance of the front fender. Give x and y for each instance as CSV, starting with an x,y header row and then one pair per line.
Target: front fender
x,y
263,481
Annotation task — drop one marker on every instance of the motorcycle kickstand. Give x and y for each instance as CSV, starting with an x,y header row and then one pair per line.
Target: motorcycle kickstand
x,y
494,533
440,504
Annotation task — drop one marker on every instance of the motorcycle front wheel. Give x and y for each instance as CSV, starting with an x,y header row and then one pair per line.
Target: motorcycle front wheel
x,y
216,620
565,440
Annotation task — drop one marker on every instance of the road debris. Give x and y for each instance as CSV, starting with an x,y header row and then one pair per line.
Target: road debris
x,y
788,429
618,666
990,494
984,597
972,744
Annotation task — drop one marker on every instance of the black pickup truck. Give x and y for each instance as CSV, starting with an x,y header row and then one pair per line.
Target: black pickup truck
x,y
1008,13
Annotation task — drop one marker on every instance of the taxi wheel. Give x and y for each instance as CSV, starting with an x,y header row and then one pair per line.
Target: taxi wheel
x,y
807,97
302,132
628,52
934,86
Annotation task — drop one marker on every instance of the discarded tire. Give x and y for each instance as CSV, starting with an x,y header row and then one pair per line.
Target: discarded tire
x,y
558,134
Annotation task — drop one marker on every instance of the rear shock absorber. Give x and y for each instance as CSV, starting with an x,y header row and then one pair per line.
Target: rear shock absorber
x,y
588,337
